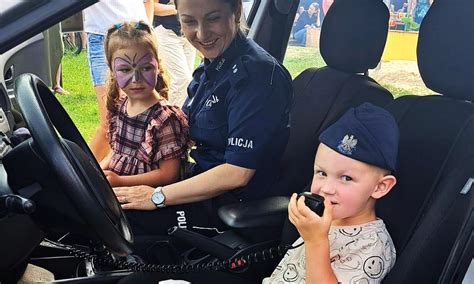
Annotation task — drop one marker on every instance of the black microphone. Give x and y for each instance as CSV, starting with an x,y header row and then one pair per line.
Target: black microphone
x,y
314,201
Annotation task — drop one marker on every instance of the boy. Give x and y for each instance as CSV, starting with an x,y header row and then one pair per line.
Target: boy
x,y
352,169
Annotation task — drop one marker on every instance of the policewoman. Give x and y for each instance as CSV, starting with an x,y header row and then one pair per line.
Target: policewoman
x,y
238,110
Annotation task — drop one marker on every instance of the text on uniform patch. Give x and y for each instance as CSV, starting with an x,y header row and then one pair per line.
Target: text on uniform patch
x,y
240,142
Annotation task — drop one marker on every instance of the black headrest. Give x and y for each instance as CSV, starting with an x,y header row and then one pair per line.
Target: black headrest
x,y
446,48
353,34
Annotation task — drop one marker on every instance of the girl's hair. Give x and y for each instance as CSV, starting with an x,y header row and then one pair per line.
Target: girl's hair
x,y
124,35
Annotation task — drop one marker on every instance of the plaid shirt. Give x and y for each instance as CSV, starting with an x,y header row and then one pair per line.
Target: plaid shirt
x,y
140,142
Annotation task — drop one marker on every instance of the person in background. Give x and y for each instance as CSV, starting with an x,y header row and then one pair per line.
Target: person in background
x,y
353,168
177,54
298,13
306,3
147,136
397,5
238,111
57,88
97,19
308,19
54,51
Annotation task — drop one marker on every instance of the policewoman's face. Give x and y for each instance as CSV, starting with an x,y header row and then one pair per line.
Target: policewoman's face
x,y
210,25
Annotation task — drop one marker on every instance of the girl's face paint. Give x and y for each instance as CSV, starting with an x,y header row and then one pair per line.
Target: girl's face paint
x,y
128,69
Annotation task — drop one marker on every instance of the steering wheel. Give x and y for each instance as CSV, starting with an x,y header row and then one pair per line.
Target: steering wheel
x,y
77,171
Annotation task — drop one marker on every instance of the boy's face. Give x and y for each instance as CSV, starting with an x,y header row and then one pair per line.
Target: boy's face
x,y
351,186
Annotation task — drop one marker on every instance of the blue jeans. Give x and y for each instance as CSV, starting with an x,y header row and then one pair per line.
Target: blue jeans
x,y
96,59
300,36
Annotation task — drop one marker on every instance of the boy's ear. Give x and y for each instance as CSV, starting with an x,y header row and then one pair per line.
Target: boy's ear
x,y
385,184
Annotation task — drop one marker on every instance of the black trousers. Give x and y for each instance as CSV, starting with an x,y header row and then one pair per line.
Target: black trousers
x,y
201,214
150,228
159,221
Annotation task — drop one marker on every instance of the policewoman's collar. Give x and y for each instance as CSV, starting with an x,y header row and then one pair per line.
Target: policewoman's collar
x,y
222,62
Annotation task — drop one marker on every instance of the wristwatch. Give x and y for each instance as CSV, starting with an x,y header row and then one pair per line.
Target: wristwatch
x,y
158,198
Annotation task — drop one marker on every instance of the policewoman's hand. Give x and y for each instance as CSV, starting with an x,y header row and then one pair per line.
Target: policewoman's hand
x,y
135,197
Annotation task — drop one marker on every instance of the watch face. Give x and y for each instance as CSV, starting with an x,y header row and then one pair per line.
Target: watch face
x,y
158,198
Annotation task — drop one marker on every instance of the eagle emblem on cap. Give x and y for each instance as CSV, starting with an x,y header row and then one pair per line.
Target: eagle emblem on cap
x,y
347,145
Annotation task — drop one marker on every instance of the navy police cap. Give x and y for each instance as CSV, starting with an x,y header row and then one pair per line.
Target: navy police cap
x,y
367,133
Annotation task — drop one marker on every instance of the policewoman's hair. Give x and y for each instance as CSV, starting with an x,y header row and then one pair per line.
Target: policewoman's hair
x,y
125,35
235,7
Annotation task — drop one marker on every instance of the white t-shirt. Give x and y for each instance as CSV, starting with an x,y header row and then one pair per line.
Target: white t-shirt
x,y
99,17
359,254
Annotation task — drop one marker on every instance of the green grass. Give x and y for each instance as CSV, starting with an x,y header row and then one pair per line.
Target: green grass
x,y
396,91
299,58
82,106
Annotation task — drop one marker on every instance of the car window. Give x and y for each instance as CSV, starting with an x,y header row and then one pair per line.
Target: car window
x,y
397,71
247,7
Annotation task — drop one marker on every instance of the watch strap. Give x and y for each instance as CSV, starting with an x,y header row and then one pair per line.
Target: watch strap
x,y
159,191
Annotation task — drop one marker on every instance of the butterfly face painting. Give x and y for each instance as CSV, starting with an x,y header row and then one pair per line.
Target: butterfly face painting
x,y
128,69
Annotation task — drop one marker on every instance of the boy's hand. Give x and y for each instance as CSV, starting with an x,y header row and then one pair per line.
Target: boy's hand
x,y
311,227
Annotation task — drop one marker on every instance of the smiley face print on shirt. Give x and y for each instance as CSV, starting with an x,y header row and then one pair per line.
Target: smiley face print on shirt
x,y
128,69
374,267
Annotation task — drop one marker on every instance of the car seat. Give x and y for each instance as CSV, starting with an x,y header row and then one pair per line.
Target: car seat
x,y
353,37
429,213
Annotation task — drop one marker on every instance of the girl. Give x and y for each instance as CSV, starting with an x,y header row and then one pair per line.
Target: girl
x,y
97,19
148,137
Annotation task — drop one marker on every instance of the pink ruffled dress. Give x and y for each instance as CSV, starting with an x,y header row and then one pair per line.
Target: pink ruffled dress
x,y
140,142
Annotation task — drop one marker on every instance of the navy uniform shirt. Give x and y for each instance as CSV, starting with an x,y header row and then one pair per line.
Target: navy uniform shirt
x,y
238,110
